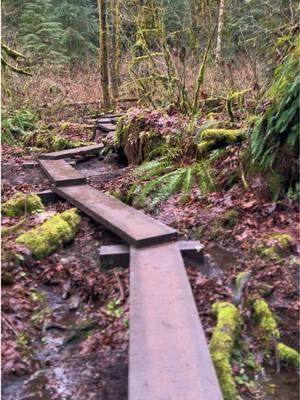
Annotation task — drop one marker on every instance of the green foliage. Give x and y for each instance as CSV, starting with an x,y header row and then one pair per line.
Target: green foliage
x,y
159,179
222,345
22,203
275,138
15,127
52,234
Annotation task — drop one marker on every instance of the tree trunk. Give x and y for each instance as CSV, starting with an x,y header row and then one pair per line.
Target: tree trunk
x,y
103,54
220,31
115,48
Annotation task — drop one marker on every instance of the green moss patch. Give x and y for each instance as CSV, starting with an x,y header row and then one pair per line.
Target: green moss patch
x,y
276,246
230,218
222,344
288,355
21,203
52,234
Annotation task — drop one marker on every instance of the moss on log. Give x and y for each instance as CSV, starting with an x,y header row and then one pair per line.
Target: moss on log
x,y
222,344
212,139
52,234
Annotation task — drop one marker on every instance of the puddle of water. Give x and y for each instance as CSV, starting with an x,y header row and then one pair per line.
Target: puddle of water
x,y
280,386
216,260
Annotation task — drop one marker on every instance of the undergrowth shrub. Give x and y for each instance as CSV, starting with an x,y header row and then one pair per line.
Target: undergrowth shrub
x,y
17,126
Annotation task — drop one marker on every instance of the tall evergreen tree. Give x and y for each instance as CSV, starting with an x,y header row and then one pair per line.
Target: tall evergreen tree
x,y
78,19
41,33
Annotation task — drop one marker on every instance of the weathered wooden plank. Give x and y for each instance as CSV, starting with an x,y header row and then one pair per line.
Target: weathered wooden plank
x,y
109,127
35,164
118,255
132,225
168,353
57,155
61,173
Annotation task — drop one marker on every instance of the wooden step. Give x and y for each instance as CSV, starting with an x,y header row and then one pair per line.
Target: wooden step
x,y
56,155
35,164
61,173
118,255
168,352
48,197
131,225
107,127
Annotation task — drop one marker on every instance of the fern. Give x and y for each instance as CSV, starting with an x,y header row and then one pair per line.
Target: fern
x,y
275,137
160,179
20,124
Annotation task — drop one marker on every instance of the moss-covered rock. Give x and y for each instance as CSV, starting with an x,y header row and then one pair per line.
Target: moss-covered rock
x,y
52,234
230,218
267,322
21,203
276,246
215,138
288,355
222,344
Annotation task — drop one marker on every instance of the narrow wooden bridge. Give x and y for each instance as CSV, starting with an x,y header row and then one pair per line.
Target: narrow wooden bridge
x,y
168,353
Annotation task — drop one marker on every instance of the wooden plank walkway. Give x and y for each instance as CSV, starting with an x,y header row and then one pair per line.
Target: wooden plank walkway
x,y
118,254
128,223
61,173
168,354
57,155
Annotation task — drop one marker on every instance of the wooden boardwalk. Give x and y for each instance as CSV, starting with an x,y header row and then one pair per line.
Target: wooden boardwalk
x,y
130,224
56,155
168,353
118,254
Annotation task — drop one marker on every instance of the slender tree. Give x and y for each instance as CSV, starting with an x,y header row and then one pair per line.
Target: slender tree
x,y
102,7
220,31
115,47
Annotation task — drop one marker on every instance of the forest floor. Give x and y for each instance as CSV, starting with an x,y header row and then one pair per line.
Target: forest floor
x,y
65,318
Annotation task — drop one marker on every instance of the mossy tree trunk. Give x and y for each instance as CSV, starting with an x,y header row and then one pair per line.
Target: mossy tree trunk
x,y
220,31
115,58
102,7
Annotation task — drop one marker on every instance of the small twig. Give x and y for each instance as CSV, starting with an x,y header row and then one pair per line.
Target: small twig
x,y
9,324
122,296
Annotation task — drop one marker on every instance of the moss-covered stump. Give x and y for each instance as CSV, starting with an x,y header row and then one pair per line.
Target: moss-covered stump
x,y
22,203
275,246
222,344
267,322
52,234
288,355
212,139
